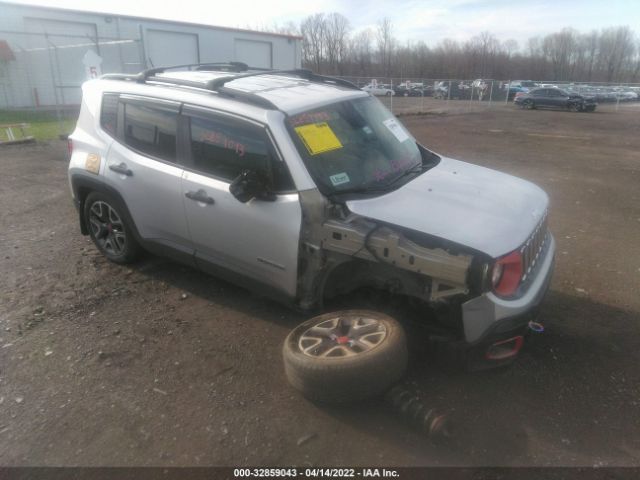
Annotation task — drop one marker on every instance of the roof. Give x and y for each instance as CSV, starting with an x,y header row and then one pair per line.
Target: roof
x,y
163,20
289,92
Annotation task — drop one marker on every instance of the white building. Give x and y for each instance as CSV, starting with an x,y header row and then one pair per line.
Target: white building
x,y
46,53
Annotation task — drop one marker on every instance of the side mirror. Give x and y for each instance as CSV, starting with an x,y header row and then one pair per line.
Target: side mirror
x,y
249,185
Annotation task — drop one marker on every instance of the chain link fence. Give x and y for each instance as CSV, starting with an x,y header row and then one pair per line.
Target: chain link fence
x,y
415,95
41,74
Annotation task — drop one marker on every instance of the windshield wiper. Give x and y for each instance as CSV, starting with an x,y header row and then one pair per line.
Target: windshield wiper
x,y
384,188
418,168
361,190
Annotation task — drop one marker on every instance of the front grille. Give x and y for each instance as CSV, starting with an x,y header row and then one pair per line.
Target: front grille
x,y
533,247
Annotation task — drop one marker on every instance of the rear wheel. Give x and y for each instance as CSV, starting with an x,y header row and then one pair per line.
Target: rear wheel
x,y
109,230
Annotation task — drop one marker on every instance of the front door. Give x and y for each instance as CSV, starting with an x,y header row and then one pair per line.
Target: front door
x,y
258,239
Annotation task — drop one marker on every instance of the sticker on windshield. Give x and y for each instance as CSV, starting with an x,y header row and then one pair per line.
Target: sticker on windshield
x,y
318,138
339,179
395,128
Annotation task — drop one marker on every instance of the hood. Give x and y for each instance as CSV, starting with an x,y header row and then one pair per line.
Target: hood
x,y
474,206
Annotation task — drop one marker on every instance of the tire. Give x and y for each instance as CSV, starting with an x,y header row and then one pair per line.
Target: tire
x,y
576,107
528,104
109,230
325,373
388,94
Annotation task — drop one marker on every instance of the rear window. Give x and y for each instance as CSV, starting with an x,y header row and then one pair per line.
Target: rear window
x,y
151,130
109,113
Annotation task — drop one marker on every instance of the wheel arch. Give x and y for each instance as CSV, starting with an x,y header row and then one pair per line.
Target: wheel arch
x,y
83,185
352,274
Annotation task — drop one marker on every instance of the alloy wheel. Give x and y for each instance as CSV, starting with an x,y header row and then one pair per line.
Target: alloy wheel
x,y
107,228
342,336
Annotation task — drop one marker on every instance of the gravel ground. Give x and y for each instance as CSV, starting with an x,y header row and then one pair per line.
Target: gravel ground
x,y
158,364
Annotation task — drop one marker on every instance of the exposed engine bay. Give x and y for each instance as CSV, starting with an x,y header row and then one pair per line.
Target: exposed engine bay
x,y
342,251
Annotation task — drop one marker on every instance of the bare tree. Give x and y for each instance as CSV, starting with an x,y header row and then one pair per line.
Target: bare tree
x,y
313,30
616,47
337,36
612,54
361,52
385,39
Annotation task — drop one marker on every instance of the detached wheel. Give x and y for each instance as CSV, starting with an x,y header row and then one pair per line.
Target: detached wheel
x,y
109,230
345,356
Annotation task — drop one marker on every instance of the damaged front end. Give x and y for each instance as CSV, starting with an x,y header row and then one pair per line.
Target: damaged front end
x,y
342,251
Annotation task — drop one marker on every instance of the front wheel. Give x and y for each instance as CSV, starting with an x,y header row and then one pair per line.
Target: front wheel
x,y
345,356
528,105
576,107
109,230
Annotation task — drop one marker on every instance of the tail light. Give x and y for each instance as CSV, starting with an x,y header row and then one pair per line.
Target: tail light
x,y
506,274
70,146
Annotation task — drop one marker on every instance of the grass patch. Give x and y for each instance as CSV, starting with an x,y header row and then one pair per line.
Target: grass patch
x,y
44,125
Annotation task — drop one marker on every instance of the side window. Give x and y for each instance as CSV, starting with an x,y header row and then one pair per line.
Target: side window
x,y
151,130
109,113
224,148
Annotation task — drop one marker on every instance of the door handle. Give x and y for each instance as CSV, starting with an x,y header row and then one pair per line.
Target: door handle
x,y
200,196
122,169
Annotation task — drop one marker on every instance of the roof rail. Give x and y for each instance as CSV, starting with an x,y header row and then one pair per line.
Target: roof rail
x,y
218,84
150,72
298,72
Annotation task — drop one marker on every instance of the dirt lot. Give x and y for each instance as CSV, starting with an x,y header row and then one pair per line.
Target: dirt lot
x,y
104,365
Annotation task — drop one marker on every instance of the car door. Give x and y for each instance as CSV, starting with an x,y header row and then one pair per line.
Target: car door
x,y
552,98
560,98
142,165
541,97
258,239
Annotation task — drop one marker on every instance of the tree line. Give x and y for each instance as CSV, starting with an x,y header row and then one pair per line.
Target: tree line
x,y
331,46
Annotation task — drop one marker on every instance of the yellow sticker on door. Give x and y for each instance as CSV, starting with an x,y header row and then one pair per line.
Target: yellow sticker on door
x,y
318,138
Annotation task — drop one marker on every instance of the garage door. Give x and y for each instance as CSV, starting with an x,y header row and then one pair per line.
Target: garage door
x,y
166,48
253,53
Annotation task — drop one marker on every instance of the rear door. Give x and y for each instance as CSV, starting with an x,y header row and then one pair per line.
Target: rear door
x,y
258,239
142,165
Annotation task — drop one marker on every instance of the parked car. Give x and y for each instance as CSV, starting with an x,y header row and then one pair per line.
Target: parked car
x,y
304,188
555,98
379,89
413,90
520,86
441,90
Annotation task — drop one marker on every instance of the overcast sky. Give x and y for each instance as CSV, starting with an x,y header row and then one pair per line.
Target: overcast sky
x,y
428,20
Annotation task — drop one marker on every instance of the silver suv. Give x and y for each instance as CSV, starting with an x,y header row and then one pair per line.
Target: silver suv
x,y
305,187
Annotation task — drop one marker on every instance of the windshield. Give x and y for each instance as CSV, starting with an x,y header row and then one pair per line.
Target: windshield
x,y
354,146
